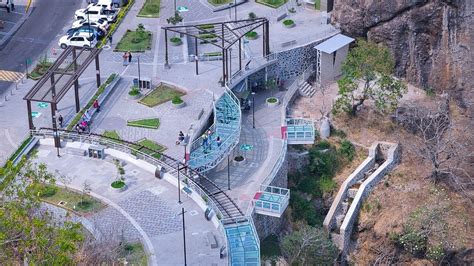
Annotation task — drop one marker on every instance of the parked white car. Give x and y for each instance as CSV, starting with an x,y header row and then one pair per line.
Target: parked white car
x,y
78,39
102,24
94,13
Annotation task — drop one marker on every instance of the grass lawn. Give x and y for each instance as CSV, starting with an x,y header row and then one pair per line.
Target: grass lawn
x,y
135,41
152,145
159,95
74,200
134,253
219,2
153,123
111,134
150,9
272,3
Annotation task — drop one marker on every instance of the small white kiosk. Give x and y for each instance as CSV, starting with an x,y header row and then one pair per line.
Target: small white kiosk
x,y
330,56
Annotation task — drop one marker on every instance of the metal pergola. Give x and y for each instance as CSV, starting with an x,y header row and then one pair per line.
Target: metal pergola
x,y
226,33
62,75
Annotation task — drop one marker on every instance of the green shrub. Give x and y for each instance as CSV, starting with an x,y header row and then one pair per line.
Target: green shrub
x,y
118,184
435,252
177,100
252,15
323,162
48,191
175,40
251,35
323,145
134,91
288,22
413,242
206,26
272,100
326,184
347,150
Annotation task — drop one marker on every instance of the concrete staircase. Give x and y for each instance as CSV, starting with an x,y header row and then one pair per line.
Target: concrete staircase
x,y
307,90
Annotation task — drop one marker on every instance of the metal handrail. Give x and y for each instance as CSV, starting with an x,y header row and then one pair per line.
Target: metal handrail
x,y
165,161
277,166
258,60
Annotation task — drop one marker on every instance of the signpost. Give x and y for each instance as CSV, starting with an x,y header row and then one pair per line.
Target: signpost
x,y
42,105
246,147
35,114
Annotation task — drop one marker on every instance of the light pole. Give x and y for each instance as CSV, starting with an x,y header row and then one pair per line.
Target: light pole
x,y
179,186
253,109
139,83
184,236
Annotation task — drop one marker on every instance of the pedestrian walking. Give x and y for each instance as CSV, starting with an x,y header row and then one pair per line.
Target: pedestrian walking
x,y
110,39
60,119
218,141
129,56
96,105
125,59
7,6
12,5
204,141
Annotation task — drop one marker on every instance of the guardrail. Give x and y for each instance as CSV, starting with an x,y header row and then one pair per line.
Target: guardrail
x,y
281,158
292,89
165,161
257,62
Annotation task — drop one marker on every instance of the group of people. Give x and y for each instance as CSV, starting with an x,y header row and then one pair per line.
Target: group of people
x,y
207,140
86,119
127,58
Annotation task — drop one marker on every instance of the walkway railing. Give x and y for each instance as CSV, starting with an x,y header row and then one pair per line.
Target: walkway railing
x,y
276,168
300,131
256,62
242,241
206,155
293,89
272,200
218,200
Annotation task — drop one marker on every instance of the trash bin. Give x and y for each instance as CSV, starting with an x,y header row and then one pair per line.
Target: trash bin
x,y
209,213
160,173
135,82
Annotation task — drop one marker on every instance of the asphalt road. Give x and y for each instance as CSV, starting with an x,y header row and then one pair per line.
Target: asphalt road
x,y
42,27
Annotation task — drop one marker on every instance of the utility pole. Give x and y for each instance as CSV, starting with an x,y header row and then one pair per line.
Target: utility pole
x,y
253,109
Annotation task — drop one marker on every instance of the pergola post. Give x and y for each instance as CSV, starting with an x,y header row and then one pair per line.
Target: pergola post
x,y
240,54
223,67
57,143
97,70
30,117
267,41
76,82
263,39
196,54
166,49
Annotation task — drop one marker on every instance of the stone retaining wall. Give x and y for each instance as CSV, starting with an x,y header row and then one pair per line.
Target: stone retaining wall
x,y
391,153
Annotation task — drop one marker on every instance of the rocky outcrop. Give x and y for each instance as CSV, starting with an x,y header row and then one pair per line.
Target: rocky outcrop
x,y
431,40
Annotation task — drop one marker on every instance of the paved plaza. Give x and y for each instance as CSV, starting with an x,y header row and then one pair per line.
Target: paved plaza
x,y
148,205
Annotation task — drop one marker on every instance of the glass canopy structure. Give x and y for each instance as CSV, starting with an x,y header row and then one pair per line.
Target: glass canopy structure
x,y
243,243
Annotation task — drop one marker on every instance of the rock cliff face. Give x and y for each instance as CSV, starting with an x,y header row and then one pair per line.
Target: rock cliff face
x,y
431,40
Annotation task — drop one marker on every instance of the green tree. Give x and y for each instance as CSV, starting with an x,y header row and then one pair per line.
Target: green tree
x,y
29,234
309,246
372,65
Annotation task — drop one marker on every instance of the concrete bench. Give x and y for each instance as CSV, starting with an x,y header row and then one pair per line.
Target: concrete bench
x,y
31,144
211,239
282,16
76,151
187,190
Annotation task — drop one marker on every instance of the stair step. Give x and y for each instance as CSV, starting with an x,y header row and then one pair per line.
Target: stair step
x,y
351,192
340,220
338,240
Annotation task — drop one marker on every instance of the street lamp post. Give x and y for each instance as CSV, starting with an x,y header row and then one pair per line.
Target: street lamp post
x,y
179,186
235,9
253,109
139,78
184,236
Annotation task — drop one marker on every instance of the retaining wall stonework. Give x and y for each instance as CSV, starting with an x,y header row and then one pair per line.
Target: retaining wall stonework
x,y
297,161
391,153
